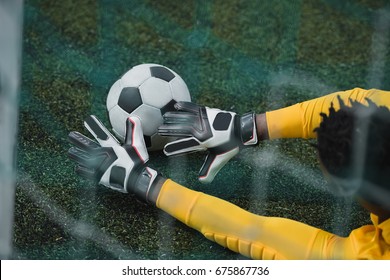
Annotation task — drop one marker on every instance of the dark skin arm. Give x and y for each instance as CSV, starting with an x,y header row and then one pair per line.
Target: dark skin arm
x,y
262,127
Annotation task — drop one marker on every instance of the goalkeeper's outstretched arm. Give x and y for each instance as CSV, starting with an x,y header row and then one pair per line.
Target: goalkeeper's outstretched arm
x,y
300,120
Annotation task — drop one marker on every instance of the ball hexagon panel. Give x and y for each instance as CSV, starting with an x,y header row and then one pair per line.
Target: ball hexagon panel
x,y
155,92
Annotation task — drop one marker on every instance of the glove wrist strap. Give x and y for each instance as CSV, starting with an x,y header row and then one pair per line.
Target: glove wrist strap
x,y
148,185
248,132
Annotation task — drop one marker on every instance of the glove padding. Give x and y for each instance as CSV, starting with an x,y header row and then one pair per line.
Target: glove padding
x,y
222,133
121,168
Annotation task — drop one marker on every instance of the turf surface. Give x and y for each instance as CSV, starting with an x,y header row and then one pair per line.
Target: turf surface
x,y
234,55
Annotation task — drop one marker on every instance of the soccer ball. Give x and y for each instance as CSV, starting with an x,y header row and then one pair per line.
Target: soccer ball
x,y
146,91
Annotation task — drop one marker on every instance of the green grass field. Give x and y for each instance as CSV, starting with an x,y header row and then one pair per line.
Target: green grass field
x,y
234,55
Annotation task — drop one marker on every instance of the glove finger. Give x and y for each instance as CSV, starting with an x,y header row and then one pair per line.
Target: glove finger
x,y
100,132
82,141
179,118
134,137
86,172
186,145
82,157
175,130
187,107
214,163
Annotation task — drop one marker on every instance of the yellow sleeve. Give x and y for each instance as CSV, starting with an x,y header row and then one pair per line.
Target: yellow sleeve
x,y
251,235
299,120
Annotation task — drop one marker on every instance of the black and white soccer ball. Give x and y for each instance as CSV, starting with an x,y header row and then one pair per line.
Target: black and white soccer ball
x,y
146,91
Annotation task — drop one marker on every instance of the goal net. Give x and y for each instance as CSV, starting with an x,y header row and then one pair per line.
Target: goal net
x,y
10,56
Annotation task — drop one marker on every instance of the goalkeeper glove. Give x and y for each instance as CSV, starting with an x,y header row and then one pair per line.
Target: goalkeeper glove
x,y
222,133
119,167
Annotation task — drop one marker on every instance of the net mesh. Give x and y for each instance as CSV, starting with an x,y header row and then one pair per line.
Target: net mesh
x,y
10,54
259,56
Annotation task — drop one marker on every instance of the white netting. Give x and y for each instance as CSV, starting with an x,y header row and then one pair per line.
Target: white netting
x,y
10,55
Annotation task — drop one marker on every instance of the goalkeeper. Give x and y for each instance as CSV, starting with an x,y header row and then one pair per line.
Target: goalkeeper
x,y
353,142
